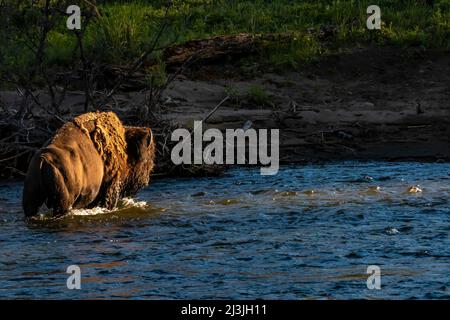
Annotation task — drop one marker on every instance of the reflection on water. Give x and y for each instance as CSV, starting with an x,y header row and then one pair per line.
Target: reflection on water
x,y
308,232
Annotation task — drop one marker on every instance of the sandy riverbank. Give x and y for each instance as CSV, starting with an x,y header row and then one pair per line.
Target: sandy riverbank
x,y
363,104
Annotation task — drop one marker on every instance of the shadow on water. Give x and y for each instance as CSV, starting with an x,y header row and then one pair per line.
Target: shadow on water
x,y
308,232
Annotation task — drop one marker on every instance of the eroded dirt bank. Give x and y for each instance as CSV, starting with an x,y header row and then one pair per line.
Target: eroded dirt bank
x,y
364,104
367,103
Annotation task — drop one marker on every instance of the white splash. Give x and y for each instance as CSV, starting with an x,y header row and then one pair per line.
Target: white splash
x,y
89,212
130,202
392,231
414,189
123,204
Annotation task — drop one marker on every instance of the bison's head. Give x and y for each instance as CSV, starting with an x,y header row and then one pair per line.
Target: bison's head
x,y
141,156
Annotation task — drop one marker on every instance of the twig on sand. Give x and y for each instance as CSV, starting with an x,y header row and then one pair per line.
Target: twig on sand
x,y
205,119
346,147
419,126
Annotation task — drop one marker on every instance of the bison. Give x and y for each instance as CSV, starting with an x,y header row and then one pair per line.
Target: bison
x,y
91,161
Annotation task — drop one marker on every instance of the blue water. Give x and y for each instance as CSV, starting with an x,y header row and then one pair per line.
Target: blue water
x,y
309,232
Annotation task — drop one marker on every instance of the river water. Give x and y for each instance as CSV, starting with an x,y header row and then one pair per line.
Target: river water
x,y
309,232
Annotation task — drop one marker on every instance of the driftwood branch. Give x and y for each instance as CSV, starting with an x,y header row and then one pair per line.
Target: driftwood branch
x,y
205,119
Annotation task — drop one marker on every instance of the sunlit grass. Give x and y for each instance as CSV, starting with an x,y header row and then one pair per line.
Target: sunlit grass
x,y
126,28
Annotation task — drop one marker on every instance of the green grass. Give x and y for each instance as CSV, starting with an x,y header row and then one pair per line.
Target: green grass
x,y
126,28
258,95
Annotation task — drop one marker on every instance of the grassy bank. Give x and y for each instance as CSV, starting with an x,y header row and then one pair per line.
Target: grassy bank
x,y
126,28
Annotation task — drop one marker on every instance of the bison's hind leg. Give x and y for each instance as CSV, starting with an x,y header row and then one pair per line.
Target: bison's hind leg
x,y
34,194
33,198
59,198
31,206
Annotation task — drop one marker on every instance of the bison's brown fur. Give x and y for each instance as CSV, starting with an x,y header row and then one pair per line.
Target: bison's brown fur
x,y
92,160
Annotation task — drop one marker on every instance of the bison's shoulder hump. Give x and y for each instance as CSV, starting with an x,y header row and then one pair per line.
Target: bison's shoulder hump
x,y
108,135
